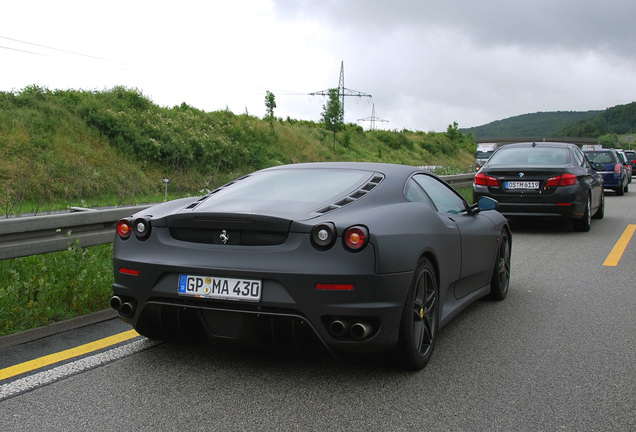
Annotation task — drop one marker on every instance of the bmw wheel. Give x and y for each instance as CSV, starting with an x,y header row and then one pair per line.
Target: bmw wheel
x,y
585,222
600,212
420,318
501,273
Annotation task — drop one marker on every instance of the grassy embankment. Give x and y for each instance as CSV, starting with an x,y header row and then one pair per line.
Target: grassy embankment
x,y
74,148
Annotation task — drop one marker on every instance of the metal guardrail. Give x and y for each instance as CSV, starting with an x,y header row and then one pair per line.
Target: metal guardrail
x,y
459,180
35,235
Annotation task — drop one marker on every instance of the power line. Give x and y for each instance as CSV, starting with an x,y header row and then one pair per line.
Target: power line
x,y
52,48
24,51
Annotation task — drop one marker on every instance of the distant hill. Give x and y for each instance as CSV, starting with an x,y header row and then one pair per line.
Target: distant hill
x,y
618,120
540,124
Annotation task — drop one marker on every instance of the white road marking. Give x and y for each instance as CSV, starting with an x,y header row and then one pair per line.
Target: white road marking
x,y
40,379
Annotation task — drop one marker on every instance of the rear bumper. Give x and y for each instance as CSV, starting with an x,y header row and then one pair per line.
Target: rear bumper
x,y
289,276
568,202
612,180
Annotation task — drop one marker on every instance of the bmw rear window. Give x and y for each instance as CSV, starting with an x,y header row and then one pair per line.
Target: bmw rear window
x,y
530,156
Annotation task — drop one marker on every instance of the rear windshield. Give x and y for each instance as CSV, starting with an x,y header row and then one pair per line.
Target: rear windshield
x,y
483,154
293,189
601,156
530,156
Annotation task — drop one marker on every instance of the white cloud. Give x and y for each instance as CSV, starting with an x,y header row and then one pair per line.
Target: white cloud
x,y
426,63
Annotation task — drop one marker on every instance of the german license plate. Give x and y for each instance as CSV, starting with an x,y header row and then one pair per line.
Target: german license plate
x,y
521,185
220,288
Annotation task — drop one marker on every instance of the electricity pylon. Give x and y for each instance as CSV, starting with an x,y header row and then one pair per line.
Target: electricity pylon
x,y
342,90
372,119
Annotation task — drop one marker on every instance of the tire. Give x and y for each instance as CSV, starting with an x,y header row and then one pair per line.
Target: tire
x,y
420,319
620,191
585,222
600,212
626,188
501,273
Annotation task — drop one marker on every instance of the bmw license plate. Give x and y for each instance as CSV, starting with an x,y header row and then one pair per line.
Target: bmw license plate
x,y
220,288
521,185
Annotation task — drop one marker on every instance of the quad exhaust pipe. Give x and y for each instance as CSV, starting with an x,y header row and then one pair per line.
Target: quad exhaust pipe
x,y
115,302
339,328
360,330
125,308
356,330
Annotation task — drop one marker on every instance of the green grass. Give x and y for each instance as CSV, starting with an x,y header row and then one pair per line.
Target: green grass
x,y
41,289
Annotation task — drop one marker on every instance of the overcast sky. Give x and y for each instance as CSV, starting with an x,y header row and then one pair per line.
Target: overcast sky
x,y
426,63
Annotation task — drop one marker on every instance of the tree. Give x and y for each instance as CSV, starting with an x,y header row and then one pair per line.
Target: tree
x,y
270,104
333,113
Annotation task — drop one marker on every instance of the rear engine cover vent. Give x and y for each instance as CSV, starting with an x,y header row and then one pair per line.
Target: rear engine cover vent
x,y
377,178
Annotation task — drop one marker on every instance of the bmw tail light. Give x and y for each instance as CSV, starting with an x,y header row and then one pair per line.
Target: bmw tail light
x,y
567,179
552,182
562,180
482,179
356,238
124,228
324,235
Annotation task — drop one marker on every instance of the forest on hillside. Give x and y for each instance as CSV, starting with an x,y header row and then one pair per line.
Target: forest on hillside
x,y
618,120
605,125
540,124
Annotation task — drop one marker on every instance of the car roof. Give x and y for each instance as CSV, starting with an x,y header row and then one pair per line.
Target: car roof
x,y
540,144
393,171
369,166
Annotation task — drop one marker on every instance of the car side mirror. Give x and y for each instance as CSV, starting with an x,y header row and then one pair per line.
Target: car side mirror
x,y
483,204
598,166
487,203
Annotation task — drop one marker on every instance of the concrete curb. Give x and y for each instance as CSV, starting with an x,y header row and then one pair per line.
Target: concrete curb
x,y
55,328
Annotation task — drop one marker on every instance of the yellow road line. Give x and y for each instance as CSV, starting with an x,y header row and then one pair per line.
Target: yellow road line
x,y
40,362
619,248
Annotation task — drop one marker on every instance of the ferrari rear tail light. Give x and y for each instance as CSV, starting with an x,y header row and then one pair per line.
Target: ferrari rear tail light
x,y
141,227
482,179
356,238
124,228
324,235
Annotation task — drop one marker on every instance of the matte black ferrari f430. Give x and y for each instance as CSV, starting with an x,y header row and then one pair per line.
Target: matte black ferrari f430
x,y
367,257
